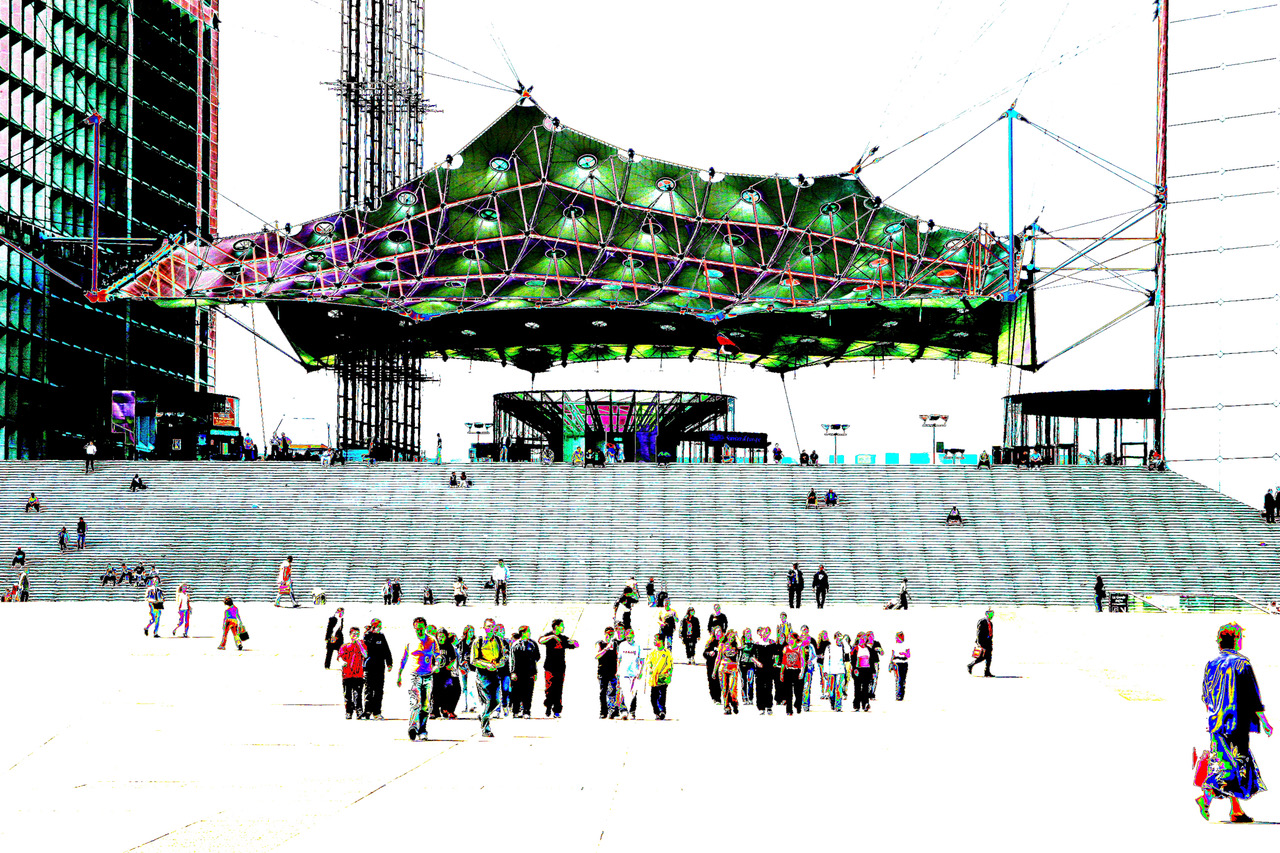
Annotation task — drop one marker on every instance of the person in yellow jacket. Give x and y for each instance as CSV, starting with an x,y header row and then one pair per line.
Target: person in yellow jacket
x,y
659,665
488,655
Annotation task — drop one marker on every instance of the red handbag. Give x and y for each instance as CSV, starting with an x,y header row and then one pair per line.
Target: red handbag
x,y
1200,762
977,651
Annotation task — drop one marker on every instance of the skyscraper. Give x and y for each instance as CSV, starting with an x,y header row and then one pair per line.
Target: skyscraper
x,y
149,70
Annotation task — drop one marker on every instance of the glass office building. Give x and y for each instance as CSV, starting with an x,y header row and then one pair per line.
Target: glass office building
x,y
149,69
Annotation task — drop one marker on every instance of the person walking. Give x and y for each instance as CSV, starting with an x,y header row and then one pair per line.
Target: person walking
x,y
766,654
877,652
155,604
795,586
607,674
1099,592
500,576
690,631
24,586
81,528
63,545
90,454
650,591
746,667
899,661
386,592
710,654
1268,506
488,656
833,670
332,636
377,664
727,670
863,671
820,585
232,624
466,683
1230,694
426,655
439,450
791,678
352,656
659,665
984,642
284,582
553,666
184,611
525,655
630,666
902,596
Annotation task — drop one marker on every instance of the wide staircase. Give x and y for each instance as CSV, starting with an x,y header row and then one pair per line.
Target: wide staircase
x,y
705,532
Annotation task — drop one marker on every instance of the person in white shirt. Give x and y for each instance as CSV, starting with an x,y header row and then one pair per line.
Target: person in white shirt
x,y
284,582
630,666
900,655
833,662
184,610
90,451
500,582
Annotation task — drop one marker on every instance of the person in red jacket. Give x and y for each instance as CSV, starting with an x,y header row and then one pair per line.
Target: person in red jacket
x,y
352,656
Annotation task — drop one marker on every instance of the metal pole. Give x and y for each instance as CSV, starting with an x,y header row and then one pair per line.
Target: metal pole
x,y
96,120
1011,114
1162,200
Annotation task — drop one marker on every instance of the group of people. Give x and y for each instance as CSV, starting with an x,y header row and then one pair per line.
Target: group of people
x,y
829,500
808,459
122,574
795,586
82,530
456,482
487,672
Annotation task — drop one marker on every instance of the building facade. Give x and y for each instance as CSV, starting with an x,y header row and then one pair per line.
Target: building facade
x,y
149,70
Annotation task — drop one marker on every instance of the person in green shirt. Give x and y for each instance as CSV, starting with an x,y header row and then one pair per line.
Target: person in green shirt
x,y
659,664
488,655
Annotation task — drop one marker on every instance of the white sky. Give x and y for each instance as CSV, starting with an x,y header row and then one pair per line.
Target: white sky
x,y
805,87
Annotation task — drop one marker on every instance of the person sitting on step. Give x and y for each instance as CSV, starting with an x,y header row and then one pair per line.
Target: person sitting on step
x,y
831,497
1035,460
954,518
804,458
33,503
812,500
136,484
464,482
453,480
984,461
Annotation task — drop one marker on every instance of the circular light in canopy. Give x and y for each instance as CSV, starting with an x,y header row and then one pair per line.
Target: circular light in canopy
x,y
611,287
751,196
632,264
665,185
811,251
960,334
556,254
819,315
955,244
500,164
880,262
830,208
599,324
453,284
473,255
488,214
587,161
243,245
470,333
385,266
715,274
407,197
889,324
533,349
735,240
651,227
808,340
532,325
313,257
334,314
667,327
325,227
398,235
894,229
947,273
573,211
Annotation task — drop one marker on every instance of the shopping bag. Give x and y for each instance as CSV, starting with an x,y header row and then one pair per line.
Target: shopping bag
x,y
244,635
977,652
1200,763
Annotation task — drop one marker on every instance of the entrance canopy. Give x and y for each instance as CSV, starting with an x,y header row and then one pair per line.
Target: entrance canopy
x,y
537,244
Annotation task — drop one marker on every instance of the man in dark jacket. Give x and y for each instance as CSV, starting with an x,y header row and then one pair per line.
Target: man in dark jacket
x,y
607,674
766,664
374,674
1269,507
795,585
557,643
690,631
333,637
820,583
718,620
984,644
525,655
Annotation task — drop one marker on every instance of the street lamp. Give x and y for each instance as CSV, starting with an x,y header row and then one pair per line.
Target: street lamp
x,y
835,431
933,422
478,428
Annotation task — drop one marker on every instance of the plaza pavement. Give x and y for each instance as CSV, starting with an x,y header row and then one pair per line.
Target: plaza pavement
x,y
114,741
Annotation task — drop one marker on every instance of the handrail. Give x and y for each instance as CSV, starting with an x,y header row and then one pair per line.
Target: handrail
x,y
1248,602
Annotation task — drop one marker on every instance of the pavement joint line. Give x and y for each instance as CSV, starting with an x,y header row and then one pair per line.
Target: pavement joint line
x,y
172,831
37,749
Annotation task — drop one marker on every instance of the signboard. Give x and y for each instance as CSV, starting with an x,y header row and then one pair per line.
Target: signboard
x,y
177,444
738,439
227,416
124,410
